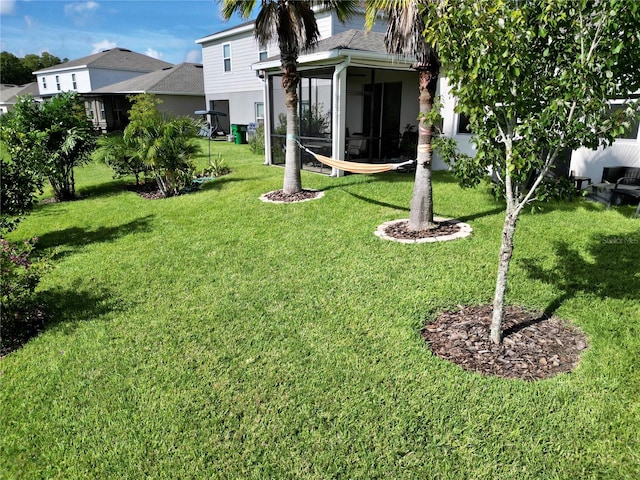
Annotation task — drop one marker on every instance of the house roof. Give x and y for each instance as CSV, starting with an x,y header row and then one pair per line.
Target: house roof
x,y
113,59
364,49
182,79
352,40
244,27
9,93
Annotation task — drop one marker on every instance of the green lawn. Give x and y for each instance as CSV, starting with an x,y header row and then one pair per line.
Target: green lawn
x,y
212,335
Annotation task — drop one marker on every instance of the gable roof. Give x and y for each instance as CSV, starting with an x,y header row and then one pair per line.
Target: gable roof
x,y
113,59
9,93
182,79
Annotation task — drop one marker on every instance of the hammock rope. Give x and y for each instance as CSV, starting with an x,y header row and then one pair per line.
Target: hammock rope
x,y
355,167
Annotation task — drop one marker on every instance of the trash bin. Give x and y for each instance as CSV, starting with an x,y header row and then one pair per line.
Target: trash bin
x,y
239,131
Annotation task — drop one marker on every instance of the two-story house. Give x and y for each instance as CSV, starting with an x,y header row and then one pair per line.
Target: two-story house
x,y
356,100
92,72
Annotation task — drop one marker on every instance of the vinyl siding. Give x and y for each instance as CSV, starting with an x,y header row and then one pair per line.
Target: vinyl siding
x,y
244,53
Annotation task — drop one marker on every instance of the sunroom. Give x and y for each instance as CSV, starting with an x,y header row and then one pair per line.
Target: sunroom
x,y
356,102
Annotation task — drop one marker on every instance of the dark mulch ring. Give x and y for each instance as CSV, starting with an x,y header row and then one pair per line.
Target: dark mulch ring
x,y
148,190
280,196
401,230
535,346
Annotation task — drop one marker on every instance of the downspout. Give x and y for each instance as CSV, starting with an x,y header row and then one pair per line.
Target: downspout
x,y
267,120
338,120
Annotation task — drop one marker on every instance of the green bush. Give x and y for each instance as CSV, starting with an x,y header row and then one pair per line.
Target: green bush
x,y
216,167
21,315
256,141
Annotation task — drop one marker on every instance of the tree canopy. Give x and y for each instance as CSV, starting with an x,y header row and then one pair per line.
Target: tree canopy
x,y
535,78
19,71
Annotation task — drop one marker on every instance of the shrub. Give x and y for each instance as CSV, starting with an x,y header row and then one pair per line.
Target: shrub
x,y
22,317
166,145
256,141
66,138
122,154
215,168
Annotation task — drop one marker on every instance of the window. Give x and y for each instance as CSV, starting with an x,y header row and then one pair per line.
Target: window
x,y
226,53
73,79
103,113
262,56
58,82
463,124
44,82
260,113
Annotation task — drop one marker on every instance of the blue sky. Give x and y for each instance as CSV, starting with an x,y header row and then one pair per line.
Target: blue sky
x,y
164,29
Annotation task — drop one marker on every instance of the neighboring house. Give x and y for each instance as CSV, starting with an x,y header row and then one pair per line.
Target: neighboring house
x,y
86,74
179,87
95,71
9,95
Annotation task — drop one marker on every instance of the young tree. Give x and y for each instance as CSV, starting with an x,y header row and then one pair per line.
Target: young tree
x,y
535,78
293,24
405,37
66,137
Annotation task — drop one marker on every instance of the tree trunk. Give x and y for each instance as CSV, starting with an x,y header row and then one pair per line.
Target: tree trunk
x,y
421,213
290,80
506,252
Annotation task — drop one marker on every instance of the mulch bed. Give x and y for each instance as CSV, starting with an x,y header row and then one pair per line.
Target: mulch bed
x,y
148,190
534,346
401,230
280,196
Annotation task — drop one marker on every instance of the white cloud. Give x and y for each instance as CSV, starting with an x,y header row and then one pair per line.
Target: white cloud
x,y
103,45
81,12
7,7
80,7
194,56
153,53
29,21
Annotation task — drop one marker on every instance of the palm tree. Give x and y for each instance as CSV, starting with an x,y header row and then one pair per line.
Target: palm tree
x,y
404,37
294,25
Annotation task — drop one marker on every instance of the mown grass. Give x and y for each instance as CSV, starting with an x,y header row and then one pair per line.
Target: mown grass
x,y
215,336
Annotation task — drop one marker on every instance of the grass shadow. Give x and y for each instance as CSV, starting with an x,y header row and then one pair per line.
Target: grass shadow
x,y
219,182
608,270
376,202
77,236
53,308
106,189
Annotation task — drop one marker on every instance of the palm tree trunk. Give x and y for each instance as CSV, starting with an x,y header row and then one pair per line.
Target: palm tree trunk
x,y
421,213
290,80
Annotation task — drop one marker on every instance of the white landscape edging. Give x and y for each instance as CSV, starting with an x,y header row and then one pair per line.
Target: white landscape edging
x,y
464,231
